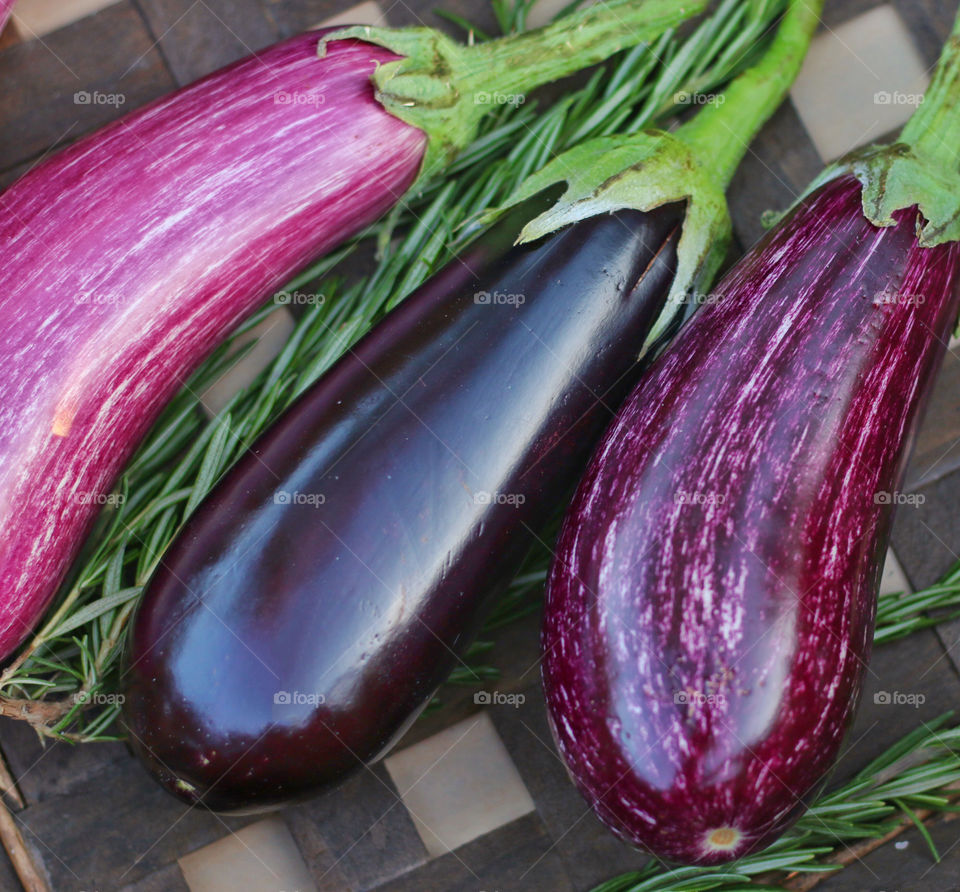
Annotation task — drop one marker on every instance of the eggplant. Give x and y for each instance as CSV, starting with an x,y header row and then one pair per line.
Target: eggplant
x,y
710,608
131,254
326,587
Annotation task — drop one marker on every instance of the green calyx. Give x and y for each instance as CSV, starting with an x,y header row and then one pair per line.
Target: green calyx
x,y
421,88
444,88
901,176
644,171
922,168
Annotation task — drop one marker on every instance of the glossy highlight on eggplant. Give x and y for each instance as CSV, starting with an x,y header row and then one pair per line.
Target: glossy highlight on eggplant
x,y
710,609
312,606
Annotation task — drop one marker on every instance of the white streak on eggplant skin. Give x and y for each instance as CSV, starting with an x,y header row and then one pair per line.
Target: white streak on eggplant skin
x,y
787,405
131,254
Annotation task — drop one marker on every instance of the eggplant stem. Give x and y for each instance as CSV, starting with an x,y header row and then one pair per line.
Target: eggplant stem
x,y
445,88
520,63
922,168
934,128
722,131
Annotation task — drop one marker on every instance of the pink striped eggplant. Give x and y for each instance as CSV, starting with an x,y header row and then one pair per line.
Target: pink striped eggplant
x,y
710,609
129,256
6,7
132,253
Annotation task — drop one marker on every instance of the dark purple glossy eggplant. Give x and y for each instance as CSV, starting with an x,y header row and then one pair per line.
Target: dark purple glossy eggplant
x,y
313,605
710,610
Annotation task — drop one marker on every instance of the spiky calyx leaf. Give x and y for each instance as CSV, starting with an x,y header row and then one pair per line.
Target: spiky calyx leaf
x,y
922,168
644,171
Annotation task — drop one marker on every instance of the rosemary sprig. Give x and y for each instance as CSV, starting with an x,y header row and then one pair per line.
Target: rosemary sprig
x,y
903,613
60,680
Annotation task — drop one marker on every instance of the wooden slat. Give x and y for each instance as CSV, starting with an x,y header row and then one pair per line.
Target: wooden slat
x,y
37,18
197,38
38,107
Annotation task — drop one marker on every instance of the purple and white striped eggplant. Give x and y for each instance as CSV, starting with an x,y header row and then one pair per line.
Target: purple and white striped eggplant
x,y
711,606
710,610
130,255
